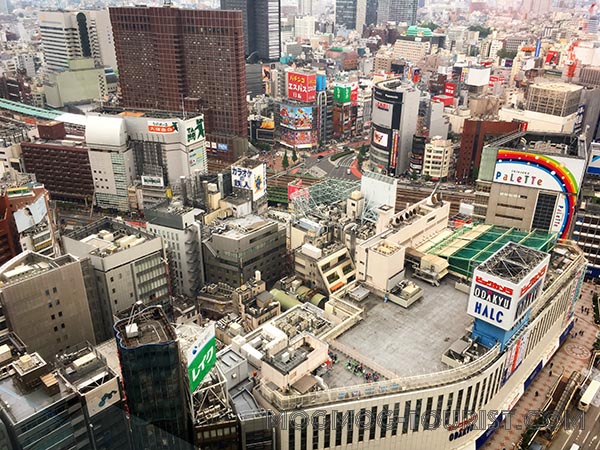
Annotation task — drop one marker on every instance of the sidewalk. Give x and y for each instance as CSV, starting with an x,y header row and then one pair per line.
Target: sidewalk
x,y
573,355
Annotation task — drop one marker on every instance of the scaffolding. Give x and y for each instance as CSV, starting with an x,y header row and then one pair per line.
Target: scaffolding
x,y
324,193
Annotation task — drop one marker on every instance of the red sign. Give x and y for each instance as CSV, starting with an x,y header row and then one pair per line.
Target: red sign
x,y
493,285
449,89
552,57
381,105
301,86
354,93
534,280
495,79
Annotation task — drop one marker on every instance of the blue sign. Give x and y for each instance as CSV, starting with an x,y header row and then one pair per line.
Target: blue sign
x,y
488,312
481,440
532,375
538,48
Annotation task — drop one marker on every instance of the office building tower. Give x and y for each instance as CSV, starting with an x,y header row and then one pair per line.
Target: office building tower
x,y
537,7
305,7
394,122
68,35
129,264
304,27
195,64
345,13
237,248
155,381
397,11
371,12
45,301
262,30
180,227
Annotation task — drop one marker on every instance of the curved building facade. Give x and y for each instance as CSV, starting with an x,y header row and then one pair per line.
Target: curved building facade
x,y
394,116
456,408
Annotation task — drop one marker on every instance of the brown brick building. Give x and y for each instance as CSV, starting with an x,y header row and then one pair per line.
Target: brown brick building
x,y
63,166
171,58
476,133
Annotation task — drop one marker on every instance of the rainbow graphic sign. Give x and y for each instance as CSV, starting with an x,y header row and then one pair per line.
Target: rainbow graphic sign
x,y
550,173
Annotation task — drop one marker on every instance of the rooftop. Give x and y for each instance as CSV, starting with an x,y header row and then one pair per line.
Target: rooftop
x,y
149,326
240,227
29,264
513,262
557,87
408,341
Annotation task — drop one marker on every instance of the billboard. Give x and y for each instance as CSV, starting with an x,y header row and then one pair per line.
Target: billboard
x,y
552,173
478,76
552,57
194,130
298,139
578,125
342,93
162,126
152,181
594,166
503,303
254,179
302,86
381,113
394,152
202,356
266,78
321,82
496,79
296,118
380,139
259,181
100,398
31,215
514,357
449,89
197,158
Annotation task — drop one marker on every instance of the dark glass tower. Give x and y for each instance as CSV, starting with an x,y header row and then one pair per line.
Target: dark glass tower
x,y
155,381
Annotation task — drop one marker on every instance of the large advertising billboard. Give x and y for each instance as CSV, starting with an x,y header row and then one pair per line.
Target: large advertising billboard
x,y
381,113
380,139
100,398
162,126
202,356
152,181
514,356
341,93
302,86
594,166
552,173
31,215
503,303
194,130
254,180
296,118
298,139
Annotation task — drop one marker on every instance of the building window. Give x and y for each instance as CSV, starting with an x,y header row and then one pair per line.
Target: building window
x,y
54,290
53,317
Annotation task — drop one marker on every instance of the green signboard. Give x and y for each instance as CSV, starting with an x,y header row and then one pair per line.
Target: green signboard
x,y
202,356
341,93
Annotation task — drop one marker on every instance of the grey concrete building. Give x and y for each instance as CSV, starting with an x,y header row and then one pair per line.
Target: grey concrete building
x,y
129,264
45,302
181,229
239,247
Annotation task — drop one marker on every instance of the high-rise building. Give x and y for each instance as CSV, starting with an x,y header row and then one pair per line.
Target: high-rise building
x,y
394,122
70,35
45,301
305,7
397,11
191,60
155,381
537,7
262,30
371,12
304,27
180,227
345,13
129,264
556,99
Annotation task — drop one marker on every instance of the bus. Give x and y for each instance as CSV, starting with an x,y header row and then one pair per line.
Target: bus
x,y
588,395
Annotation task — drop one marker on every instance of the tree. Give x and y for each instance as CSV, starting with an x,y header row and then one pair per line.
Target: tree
x,y
506,54
285,163
359,161
294,156
432,26
483,31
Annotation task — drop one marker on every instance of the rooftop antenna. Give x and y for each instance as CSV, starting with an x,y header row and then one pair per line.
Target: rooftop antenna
x,y
167,3
136,308
182,102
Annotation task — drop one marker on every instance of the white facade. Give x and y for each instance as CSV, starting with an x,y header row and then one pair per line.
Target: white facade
x,y
540,121
304,27
412,51
437,157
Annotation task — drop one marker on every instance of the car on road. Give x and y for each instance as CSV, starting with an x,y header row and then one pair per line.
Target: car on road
x,y
320,157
